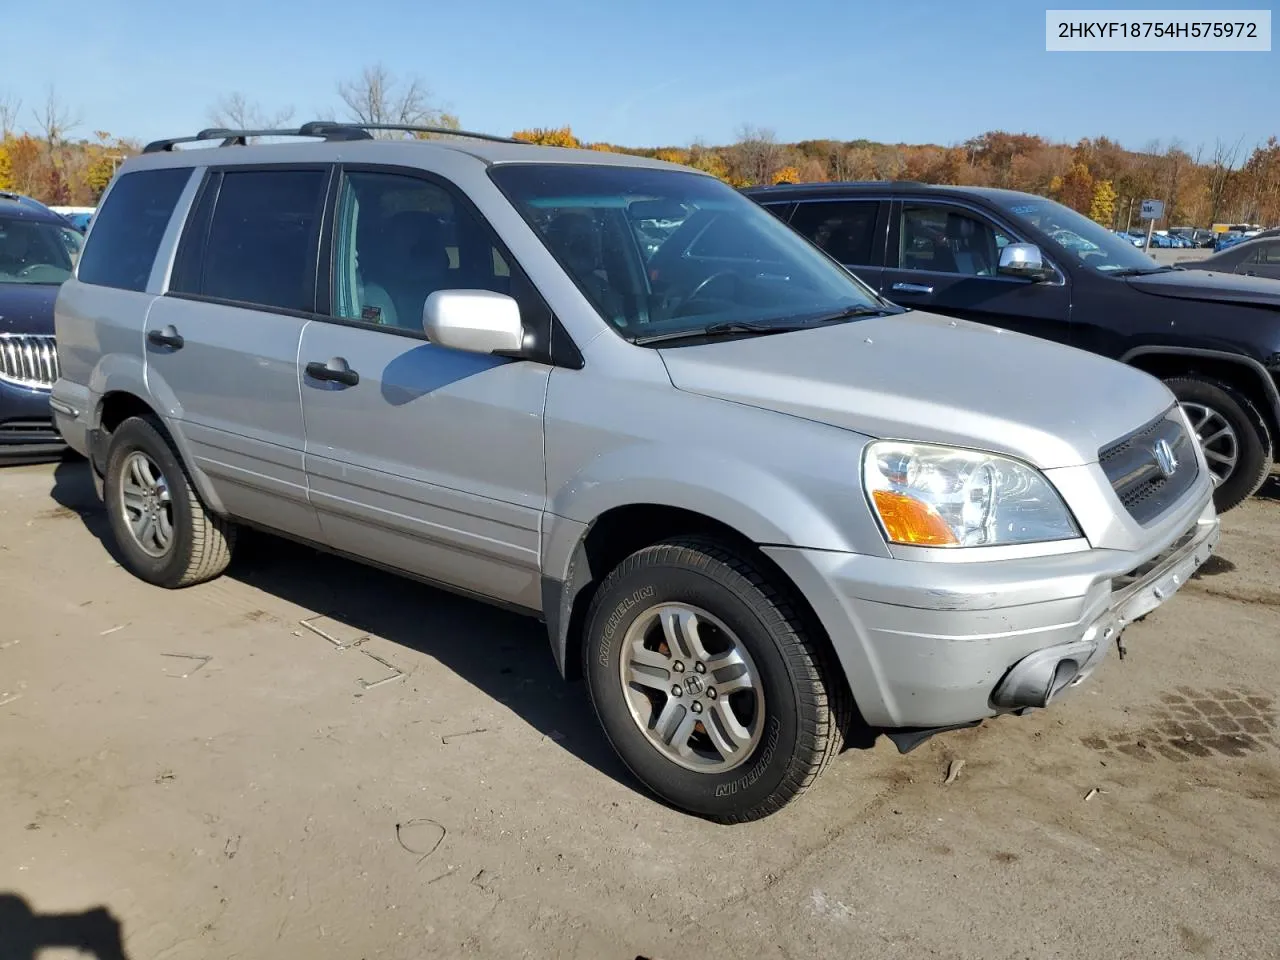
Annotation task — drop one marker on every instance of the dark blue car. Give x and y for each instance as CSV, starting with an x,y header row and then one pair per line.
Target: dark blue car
x,y
34,261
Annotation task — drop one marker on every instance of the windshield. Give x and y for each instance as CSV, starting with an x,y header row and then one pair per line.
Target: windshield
x,y
34,252
1080,237
660,253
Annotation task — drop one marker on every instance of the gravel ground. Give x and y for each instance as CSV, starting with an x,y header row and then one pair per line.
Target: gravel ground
x,y
200,774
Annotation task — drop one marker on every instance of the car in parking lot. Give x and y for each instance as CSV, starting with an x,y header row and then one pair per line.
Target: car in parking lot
x,y
35,258
1026,263
755,502
1257,257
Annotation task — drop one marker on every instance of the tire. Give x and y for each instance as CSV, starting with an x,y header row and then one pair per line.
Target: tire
x,y
794,713
199,544
1227,405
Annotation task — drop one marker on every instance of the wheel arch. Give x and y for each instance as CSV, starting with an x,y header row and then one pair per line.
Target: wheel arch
x,y
622,530
113,409
1244,373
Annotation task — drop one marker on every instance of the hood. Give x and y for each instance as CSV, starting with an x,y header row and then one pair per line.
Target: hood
x,y
27,307
918,376
1210,285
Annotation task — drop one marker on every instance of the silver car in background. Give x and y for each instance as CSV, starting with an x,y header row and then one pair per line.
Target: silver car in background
x,y
755,504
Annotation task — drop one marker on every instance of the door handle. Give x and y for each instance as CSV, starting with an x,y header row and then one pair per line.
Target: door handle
x,y
912,288
334,370
168,337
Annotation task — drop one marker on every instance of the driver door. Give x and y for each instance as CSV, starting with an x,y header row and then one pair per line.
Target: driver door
x,y
942,258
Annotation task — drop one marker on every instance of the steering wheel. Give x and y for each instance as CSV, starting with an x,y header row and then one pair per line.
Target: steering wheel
x,y
706,282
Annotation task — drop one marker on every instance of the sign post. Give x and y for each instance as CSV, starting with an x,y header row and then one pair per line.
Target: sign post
x,y
1151,211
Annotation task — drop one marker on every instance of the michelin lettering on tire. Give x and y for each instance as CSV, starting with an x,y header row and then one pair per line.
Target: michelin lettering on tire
x,y
611,625
758,768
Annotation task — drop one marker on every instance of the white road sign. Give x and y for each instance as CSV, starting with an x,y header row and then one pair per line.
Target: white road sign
x,y
1152,209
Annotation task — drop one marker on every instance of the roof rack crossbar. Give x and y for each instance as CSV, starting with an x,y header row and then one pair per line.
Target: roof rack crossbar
x,y
229,137
328,125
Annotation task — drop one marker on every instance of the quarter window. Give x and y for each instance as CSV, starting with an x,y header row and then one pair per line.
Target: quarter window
x,y
128,229
261,243
845,229
945,239
1270,253
398,240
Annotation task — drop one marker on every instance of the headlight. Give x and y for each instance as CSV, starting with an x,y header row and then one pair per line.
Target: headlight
x,y
932,496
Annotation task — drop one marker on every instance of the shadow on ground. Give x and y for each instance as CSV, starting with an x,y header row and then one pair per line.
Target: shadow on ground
x,y
25,935
505,655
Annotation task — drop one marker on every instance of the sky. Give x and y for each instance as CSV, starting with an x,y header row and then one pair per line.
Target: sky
x,y
653,72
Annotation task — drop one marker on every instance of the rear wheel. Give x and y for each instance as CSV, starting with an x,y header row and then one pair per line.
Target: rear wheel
x,y
165,535
1232,434
707,683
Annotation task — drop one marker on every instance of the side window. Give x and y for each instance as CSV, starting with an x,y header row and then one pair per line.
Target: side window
x,y
780,210
261,243
845,229
946,239
398,239
128,229
1270,253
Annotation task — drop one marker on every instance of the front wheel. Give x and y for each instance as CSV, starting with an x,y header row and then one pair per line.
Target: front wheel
x,y
1232,434
707,683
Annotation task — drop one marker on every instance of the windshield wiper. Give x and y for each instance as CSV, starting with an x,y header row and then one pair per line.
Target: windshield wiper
x,y
861,310
714,330
764,327
1140,271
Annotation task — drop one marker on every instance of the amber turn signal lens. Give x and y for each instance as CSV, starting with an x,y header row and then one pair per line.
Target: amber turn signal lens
x,y
908,521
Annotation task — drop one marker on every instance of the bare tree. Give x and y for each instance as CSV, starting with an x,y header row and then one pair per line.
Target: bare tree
x,y
238,112
1221,170
55,120
757,154
378,96
9,108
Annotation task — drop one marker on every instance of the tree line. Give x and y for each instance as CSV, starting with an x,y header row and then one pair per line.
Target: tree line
x,y
1225,182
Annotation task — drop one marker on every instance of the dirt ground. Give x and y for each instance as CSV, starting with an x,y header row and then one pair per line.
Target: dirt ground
x,y
219,780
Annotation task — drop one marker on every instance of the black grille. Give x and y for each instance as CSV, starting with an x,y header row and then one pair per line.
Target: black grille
x,y
1135,472
29,429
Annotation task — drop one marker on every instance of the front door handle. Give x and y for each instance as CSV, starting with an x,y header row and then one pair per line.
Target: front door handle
x,y
168,337
912,288
334,370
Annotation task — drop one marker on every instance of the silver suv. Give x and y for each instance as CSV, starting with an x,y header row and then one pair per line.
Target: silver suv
x,y
757,506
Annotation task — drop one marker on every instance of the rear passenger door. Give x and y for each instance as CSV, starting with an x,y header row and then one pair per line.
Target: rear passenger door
x,y
424,458
850,231
942,257
222,344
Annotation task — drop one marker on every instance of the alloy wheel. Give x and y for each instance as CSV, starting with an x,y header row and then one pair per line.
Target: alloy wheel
x,y
1217,439
692,687
147,504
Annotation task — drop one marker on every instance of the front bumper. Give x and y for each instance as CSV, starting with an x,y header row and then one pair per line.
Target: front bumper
x,y
926,644
27,430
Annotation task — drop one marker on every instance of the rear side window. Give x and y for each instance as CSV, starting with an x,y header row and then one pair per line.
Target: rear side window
x,y
128,229
259,246
843,228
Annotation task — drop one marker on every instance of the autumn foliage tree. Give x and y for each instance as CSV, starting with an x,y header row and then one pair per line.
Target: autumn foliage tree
x,y
548,136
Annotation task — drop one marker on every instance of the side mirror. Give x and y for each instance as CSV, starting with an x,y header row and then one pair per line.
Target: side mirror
x,y
1023,260
478,321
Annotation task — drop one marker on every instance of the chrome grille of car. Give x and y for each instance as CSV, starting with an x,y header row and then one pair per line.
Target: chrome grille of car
x,y
1145,486
29,360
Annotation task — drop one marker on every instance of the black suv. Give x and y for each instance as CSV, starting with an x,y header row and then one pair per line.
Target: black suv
x,y
1029,264
36,256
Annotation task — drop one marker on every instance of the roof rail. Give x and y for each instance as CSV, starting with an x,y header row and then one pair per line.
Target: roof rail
x,y
321,127
238,138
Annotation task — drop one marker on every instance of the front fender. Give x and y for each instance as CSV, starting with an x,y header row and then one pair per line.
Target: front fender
x,y
750,498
